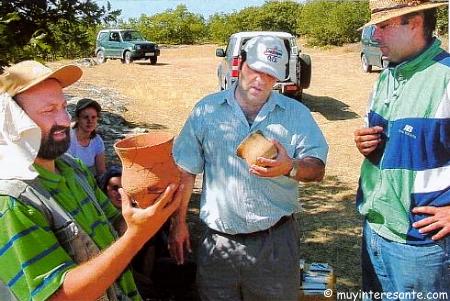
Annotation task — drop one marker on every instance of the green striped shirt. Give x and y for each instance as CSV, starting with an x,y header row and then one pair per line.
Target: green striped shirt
x,y
32,263
411,102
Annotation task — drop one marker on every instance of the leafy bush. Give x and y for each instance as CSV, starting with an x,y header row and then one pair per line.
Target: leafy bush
x,y
48,29
272,16
280,16
333,22
442,21
178,26
220,28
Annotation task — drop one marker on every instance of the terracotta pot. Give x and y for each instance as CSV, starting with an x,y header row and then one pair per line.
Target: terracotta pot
x,y
148,166
254,146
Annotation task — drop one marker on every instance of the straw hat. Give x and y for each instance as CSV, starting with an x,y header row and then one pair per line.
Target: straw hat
x,y
382,10
22,76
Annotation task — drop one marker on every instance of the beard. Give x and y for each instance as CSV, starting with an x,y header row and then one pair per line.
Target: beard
x,y
51,149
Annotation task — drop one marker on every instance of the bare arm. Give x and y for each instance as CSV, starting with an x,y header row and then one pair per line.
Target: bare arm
x,y
179,240
100,165
91,279
307,169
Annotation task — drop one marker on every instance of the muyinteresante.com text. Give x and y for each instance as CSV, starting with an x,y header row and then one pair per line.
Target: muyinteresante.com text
x,y
361,295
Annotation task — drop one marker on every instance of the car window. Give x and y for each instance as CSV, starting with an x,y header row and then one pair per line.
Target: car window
x,y
103,36
114,36
244,40
367,32
372,32
132,36
126,36
230,47
293,44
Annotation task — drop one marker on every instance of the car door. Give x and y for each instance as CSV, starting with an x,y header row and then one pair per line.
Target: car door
x,y
371,47
114,45
226,64
293,58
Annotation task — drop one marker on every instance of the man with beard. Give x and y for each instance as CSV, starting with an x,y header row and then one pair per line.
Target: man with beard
x,y
56,242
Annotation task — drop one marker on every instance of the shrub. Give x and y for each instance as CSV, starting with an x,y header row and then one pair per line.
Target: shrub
x,y
332,22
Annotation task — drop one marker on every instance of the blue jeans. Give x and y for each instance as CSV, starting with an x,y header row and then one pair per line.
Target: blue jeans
x,y
403,271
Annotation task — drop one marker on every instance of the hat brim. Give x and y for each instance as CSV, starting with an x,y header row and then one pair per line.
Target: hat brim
x,y
379,17
91,103
65,75
265,68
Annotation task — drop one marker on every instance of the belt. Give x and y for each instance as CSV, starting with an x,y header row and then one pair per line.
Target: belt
x,y
278,224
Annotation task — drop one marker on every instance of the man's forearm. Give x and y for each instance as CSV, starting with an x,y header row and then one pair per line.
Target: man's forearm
x,y
187,183
308,169
91,279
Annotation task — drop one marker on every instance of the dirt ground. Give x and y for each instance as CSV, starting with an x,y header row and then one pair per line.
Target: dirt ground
x,y
162,95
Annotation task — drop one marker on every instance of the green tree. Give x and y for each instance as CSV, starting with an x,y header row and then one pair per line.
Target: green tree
x,y
332,22
41,29
5,47
272,16
178,26
280,16
442,21
247,19
220,28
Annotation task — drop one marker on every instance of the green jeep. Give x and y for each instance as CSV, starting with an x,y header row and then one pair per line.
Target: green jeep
x,y
126,45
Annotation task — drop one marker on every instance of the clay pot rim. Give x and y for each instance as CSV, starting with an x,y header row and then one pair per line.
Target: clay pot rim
x,y
168,137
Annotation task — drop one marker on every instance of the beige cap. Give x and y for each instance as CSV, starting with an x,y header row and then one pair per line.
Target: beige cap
x,y
22,76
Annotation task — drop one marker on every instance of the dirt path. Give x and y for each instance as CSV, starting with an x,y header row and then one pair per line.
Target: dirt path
x,y
162,96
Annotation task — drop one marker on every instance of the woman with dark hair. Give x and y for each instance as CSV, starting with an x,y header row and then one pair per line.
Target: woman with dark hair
x,y
85,143
110,183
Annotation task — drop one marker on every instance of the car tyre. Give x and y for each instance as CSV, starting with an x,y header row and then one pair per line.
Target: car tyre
x,y
304,65
299,94
365,64
127,58
101,57
153,60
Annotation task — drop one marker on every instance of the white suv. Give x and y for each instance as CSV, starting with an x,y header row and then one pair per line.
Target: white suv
x,y
298,71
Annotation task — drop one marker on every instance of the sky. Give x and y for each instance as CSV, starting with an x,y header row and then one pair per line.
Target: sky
x,y
134,8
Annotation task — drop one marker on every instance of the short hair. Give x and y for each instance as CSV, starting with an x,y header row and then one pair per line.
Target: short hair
x,y
243,56
83,104
429,21
111,172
